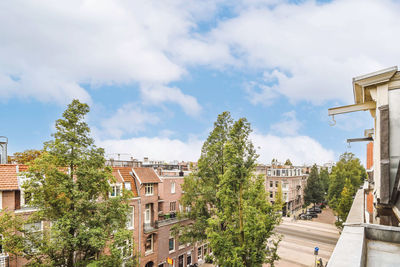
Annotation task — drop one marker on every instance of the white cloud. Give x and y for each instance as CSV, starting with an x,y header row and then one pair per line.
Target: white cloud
x,y
313,49
260,94
129,119
155,148
288,126
156,95
299,149
48,50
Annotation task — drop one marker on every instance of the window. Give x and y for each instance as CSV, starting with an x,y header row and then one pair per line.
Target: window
x,y
172,206
130,223
276,184
149,189
205,249
34,234
171,244
271,184
1,244
189,259
149,244
269,172
147,213
278,172
128,185
285,197
199,254
173,188
116,190
25,198
127,250
271,194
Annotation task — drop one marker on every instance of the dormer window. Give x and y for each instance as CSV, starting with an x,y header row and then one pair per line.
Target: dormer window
x,y
116,190
149,189
128,186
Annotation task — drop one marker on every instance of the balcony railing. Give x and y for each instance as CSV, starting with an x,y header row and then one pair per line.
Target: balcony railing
x,y
4,260
150,227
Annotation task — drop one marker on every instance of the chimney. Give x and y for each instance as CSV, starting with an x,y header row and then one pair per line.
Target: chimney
x,y
3,149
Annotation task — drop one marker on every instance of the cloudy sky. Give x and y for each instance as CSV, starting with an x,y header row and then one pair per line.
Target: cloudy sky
x,y
157,73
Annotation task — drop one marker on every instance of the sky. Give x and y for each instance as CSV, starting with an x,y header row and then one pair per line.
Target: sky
x,y
156,74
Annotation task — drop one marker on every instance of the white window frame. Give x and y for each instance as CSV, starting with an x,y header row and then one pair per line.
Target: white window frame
x,y
114,187
172,187
36,231
170,206
129,245
147,213
130,223
152,244
173,241
149,189
200,256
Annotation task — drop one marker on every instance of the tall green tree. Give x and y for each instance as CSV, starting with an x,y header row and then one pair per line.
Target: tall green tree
x,y
227,201
314,192
324,176
69,186
346,200
348,167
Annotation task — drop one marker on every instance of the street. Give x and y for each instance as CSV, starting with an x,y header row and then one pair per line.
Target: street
x,y
301,237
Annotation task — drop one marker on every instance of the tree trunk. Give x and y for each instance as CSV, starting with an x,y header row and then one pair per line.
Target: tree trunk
x,y
241,230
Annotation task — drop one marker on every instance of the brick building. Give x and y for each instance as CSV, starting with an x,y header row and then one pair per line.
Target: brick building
x,y
154,207
292,179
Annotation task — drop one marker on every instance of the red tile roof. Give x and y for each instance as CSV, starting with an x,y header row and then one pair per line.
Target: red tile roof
x,y
146,175
123,174
8,177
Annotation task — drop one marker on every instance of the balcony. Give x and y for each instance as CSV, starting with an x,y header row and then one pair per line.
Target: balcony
x,y
362,244
150,227
4,260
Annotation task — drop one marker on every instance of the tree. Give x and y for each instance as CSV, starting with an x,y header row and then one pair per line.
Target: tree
x,y
313,193
227,201
345,202
69,185
288,162
324,176
278,200
348,167
26,156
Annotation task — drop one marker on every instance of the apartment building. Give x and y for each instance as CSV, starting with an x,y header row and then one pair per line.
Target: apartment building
x,y
154,207
292,179
371,234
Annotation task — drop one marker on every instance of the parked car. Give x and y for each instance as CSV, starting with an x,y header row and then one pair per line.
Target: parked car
x,y
315,209
313,214
304,216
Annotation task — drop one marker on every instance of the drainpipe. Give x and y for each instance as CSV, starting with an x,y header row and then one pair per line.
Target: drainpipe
x,y
140,225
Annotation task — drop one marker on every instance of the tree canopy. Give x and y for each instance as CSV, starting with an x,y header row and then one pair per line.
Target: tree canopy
x,y
26,156
348,167
227,201
314,192
69,185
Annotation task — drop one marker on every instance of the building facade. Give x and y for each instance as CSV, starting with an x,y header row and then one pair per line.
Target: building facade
x,y
154,209
371,233
292,179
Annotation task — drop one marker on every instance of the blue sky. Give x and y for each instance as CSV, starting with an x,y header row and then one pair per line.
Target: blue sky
x,y
157,74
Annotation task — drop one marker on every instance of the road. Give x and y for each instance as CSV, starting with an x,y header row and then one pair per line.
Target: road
x,y
301,237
